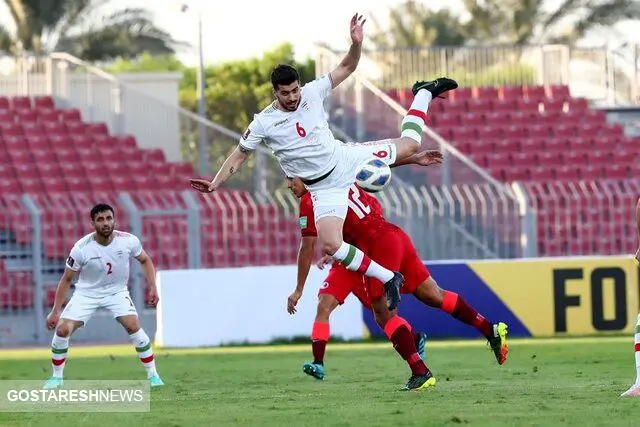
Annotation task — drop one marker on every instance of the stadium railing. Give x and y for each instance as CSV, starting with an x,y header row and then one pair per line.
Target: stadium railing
x,y
126,109
601,74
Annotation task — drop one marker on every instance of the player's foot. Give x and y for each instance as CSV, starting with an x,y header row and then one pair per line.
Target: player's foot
x,y
392,289
53,382
498,342
314,369
156,381
420,382
437,87
633,391
421,341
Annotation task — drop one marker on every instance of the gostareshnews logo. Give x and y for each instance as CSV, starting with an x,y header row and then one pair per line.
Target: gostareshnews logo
x,y
75,396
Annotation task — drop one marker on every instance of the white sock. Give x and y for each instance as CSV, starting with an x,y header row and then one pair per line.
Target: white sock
x,y
142,344
59,349
413,123
636,347
356,260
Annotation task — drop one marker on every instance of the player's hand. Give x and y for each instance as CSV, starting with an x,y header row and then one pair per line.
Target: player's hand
x,y
152,296
202,185
292,301
428,158
52,319
327,259
357,34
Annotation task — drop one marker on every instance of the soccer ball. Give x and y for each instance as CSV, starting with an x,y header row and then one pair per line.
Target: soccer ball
x,y
373,175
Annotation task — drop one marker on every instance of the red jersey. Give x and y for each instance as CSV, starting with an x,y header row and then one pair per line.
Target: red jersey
x,y
365,219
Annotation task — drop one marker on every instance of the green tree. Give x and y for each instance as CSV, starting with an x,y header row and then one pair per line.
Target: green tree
x,y
83,28
412,24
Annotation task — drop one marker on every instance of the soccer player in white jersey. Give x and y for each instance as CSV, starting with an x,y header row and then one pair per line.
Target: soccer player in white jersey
x,y
295,128
101,262
635,388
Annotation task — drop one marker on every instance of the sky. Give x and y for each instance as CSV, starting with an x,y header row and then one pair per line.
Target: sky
x,y
234,29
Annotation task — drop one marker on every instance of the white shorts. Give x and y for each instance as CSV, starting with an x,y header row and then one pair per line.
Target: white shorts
x,y
330,196
80,307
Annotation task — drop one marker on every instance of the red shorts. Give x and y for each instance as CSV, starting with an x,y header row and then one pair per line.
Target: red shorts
x,y
394,250
341,282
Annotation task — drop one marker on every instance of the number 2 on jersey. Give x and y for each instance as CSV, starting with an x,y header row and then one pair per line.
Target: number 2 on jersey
x,y
356,205
110,268
300,130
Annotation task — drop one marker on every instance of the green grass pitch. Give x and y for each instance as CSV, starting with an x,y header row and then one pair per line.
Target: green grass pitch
x,y
561,382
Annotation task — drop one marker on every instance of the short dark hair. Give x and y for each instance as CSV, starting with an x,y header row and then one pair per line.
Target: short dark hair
x,y
284,74
100,207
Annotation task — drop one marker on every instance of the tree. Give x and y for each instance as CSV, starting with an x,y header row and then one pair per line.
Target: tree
x,y
412,24
82,28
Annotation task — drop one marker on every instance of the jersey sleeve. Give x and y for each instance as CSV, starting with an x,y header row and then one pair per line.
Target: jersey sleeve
x,y
135,246
75,260
321,86
253,136
306,220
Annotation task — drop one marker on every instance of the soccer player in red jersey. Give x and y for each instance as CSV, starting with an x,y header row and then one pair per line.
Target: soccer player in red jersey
x,y
365,224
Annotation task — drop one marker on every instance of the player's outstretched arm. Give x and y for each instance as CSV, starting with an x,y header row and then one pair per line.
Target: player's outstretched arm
x,y
305,258
230,166
423,158
350,62
149,271
61,295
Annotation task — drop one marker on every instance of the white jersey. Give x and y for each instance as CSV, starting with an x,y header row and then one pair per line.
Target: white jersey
x,y
104,270
301,140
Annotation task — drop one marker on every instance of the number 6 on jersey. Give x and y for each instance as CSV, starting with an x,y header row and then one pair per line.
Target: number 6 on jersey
x,y
300,130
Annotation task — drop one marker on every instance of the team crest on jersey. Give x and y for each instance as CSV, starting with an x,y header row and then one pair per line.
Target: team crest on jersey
x,y
303,222
246,134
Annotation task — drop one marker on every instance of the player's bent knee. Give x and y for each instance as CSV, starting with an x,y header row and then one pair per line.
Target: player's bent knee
x,y
330,247
430,293
130,323
407,147
64,329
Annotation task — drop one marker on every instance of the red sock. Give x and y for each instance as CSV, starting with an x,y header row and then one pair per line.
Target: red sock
x,y
319,338
457,307
400,334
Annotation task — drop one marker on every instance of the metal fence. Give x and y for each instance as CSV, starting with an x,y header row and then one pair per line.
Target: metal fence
x,y
602,74
156,120
225,229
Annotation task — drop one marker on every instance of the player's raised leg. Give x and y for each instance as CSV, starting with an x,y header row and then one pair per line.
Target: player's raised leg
x,y
455,305
125,313
414,122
